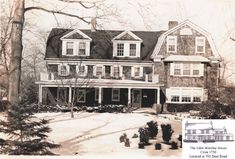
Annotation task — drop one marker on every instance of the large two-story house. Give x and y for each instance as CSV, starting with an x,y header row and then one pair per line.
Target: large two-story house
x,y
135,68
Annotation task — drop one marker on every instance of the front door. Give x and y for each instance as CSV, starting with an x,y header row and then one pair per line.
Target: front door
x,y
136,98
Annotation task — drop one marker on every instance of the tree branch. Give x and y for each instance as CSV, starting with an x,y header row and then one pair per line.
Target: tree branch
x,y
57,12
82,3
233,39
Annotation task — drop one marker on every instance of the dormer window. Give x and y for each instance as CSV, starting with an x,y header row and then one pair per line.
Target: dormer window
x,y
126,44
76,43
200,44
120,49
69,48
132,49
171,43
82,49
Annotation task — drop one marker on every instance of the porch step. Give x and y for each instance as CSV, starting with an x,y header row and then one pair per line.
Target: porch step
x,y
145,110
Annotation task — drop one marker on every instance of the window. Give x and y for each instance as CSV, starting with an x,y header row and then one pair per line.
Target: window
x,y
177,70
196,99
132,49
63,70
99,70
120,49
171,43
188,131
69,48
175,98
137,71
82,48
207,131
115,94
116,71
202,131
81,98
186,99
194,131
186,69
196,69
200,44
81,70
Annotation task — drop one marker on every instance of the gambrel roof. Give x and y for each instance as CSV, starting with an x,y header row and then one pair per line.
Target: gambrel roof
x,y
101,42
181,25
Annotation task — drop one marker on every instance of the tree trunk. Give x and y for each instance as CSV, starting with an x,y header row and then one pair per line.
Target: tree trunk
x,y
16,51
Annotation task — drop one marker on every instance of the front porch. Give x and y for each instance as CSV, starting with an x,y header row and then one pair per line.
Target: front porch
x,y
93,96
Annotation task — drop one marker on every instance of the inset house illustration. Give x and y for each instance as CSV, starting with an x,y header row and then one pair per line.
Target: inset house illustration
x,y
206,132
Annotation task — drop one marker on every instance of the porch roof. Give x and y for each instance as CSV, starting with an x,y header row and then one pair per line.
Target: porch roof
x,y
105,83
186,58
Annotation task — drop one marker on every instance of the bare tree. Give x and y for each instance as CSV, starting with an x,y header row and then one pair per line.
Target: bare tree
x,y
18,21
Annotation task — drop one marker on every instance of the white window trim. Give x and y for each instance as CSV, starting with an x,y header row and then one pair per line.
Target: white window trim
x,y
116,100
59,69
84,92
123,49
200,68
126,49
180,93
85,71
167,45
204,46
135,49
76,47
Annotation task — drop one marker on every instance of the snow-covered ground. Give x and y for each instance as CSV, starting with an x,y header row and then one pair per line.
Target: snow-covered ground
x,y
96,135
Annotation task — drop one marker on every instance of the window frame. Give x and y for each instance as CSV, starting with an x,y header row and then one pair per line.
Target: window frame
x,y
84,93
119,48
131,50
79,48
66,68
118,95
168,44
192,67
66,49
196,44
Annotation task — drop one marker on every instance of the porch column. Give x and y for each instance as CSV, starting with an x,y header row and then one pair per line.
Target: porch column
x,y
70,94
129,96
158,95
40,94
100,96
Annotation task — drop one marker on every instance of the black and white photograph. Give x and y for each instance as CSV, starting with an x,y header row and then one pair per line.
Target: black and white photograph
x,y
84,79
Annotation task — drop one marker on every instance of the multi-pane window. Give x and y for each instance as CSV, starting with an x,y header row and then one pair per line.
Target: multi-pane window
x,y
137,71
200,44
82,48
171,43
177,69
116,71
63,70
132,49
81,95
186,69
196,69
99,70
194,132
197,99
69,48
186,99
175,98
115,94
81,70
120,49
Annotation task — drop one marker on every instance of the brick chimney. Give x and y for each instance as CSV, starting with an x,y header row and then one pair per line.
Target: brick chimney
x,y
172,24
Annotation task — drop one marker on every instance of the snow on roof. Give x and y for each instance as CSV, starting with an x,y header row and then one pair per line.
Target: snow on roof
x,y
198,126
191,58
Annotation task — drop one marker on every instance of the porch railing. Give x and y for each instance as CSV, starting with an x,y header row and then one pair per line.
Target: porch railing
x,y
145,77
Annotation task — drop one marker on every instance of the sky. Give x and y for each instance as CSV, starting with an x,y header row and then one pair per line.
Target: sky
x,y
215,16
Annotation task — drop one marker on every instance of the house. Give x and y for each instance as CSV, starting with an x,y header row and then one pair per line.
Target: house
x,y
206,132
136,68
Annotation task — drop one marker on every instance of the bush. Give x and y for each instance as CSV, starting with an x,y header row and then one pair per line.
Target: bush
x,y
166,132
158,146
141,145
153,129
123,137
174,145
144,136
180,139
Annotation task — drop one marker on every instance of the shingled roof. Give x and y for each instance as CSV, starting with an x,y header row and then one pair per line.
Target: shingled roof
x,y
101,44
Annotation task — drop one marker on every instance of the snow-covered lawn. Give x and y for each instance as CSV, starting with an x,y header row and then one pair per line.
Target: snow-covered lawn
x,y
91,135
